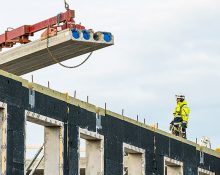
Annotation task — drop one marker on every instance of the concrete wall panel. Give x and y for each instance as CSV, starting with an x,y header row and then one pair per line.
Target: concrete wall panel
x,y
116,131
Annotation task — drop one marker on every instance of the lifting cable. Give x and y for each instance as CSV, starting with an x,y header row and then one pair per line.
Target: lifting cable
x,y
51,54
57,61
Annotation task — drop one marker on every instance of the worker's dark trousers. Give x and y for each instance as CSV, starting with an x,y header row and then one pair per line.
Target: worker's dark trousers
x,y
183,125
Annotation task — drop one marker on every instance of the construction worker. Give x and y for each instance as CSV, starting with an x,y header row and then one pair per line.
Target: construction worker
x,y
181,116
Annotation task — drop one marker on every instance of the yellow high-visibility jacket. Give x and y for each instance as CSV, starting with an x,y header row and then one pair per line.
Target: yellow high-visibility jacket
x,y
182,110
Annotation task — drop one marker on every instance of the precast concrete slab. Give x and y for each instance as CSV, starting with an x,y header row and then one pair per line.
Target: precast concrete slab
x,y
65,45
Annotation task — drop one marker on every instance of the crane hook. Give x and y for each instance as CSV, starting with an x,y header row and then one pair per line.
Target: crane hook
x,y
66,5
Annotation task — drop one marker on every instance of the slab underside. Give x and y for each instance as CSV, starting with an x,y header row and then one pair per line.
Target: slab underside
x,y
34,56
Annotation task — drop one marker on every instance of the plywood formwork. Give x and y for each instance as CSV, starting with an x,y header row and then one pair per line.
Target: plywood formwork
x,y
34,55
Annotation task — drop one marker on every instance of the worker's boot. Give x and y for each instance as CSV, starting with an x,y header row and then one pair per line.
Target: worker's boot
x,y
183,129
184,135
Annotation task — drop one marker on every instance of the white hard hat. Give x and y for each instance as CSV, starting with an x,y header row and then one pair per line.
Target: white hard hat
x,y
181,96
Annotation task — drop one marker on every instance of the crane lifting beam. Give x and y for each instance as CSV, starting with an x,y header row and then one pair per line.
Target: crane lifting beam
x,y
62,40
66,44
21,34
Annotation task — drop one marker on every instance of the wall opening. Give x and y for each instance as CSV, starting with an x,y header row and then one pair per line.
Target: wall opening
x,y
83,158
34,141
91,148
205,172
133,160
172,167
48,159
3,137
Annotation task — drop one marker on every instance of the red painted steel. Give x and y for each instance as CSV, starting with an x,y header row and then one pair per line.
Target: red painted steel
x,y
21,34
67,16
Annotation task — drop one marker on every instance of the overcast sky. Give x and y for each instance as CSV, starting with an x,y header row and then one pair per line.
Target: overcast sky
x,y
161,48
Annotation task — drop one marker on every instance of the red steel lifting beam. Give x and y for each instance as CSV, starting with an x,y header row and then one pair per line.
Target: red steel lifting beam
x,y
21,34
67,16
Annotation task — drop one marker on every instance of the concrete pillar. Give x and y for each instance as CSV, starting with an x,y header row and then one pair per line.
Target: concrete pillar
x,y
1,136
52,151
134,164
94,157
3,139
